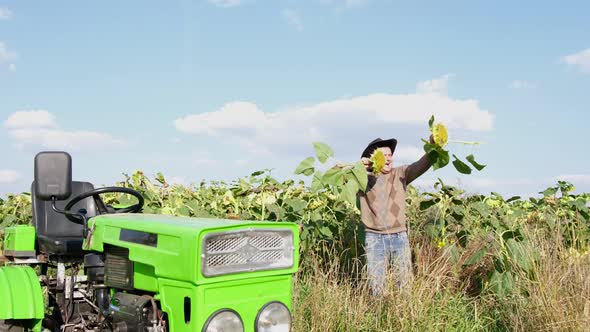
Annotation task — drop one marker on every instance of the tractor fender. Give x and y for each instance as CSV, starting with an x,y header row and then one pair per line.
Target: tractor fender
x,y
21,296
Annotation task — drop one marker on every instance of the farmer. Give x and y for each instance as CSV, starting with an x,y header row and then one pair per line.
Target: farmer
x,y
383,207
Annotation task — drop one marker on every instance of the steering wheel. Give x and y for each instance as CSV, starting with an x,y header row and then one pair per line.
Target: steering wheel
x,y
100,206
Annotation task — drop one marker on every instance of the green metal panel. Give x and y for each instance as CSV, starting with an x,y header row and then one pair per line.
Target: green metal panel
x,y
173,257
144,277
175,253
246,297
20,293
19,240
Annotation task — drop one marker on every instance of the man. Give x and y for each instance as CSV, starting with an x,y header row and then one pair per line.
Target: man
x,y
383,207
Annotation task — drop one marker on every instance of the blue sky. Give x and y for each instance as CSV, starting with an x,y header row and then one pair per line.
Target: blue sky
x,y
216,89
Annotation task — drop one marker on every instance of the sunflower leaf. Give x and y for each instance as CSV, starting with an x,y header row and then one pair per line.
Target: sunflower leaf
x,y
306,166
323,151
471,159
461,166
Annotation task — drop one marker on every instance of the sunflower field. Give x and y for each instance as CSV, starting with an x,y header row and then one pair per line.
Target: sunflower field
x,y
481,262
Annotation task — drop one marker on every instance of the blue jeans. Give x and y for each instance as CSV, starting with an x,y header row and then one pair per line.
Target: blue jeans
x,y
388,250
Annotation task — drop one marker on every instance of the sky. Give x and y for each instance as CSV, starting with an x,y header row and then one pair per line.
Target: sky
x,y
218,89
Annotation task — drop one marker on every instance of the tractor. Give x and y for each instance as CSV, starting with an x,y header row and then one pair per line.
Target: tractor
x,y
84,265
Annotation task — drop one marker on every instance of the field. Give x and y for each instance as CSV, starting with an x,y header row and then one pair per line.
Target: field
x,y
481,263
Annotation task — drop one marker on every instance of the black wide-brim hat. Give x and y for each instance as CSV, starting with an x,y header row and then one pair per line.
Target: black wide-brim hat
x,y
379,143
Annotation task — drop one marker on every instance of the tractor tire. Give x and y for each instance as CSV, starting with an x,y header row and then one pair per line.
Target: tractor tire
x,y
11,326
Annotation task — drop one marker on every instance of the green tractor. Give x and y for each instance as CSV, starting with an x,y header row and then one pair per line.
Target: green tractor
x,y
88,266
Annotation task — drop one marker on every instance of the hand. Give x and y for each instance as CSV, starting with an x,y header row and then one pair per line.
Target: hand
x,y
367,163
431,139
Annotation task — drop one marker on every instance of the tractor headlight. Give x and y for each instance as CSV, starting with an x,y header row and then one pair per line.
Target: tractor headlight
x,y
224,320
273,317
247,250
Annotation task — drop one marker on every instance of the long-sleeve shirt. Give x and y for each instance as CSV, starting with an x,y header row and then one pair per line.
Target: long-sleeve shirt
x,y
383,205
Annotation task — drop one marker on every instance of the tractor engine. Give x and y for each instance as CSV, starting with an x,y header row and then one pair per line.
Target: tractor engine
x,y
133,313
124,311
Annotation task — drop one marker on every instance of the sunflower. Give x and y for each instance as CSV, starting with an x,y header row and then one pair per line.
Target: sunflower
x,y
378,160
440,134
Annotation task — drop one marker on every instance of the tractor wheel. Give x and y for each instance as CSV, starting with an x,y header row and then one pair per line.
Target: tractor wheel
x,y
11,326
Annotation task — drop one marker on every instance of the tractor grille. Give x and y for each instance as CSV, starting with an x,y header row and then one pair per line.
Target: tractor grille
x,y
118,268
245,251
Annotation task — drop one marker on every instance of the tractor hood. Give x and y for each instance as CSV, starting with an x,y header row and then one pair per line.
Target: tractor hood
x,y
158,223
169,247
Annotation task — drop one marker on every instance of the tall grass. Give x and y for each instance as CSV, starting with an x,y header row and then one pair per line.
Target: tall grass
x,y
556,297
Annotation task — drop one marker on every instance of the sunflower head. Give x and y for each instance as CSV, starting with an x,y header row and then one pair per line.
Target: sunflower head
x,y
440,134
378,161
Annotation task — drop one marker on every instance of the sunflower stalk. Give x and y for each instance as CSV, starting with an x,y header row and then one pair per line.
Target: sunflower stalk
x,y
466,142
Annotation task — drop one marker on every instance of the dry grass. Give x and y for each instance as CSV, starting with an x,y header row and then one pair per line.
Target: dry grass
x,y
556,298
559,298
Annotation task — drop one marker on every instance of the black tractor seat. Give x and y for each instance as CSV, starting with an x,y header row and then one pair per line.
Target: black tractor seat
x,y
56,234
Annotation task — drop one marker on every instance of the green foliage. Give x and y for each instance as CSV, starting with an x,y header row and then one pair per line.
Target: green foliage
x,y
305,167
323,151
14,210
342,180
485,236
461,166
439,156
471,159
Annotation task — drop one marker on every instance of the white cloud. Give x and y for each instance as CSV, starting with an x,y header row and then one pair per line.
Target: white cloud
x,y
31,120
176,180
60,139
8,176
232,116
6,56
226,3
204,162
262,132
39,128
408,153
12,67
345,3
355,3
520,84
424,183
202,158
580,60
5,14
575,178
470,183
437,86
479,184
292,17
476,182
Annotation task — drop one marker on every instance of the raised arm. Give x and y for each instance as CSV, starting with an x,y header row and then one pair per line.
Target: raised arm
x,y
418,168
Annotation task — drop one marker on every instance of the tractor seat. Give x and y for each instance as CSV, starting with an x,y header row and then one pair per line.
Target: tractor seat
x,y
56,234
